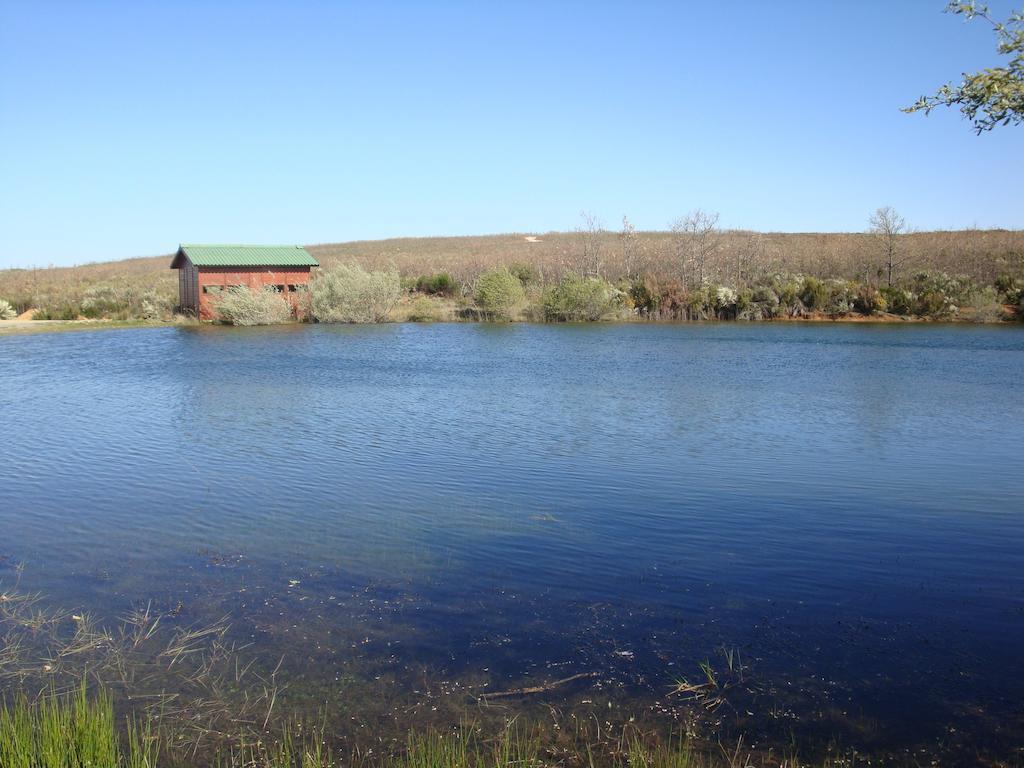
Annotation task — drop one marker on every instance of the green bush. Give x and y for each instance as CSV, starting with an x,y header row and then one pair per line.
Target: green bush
x,y
153,306
7,311
643,294
350,294
758,303
934,304
424,310
869,300
986,306
956,289
723,302
527,274
898,300
699,304
241,305
814,294
63,310
441,284
938,295
105,300
841,296
1008,286
497,292
788,291
577,298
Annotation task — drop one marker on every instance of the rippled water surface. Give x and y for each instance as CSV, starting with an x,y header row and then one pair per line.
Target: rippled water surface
x,y
500,504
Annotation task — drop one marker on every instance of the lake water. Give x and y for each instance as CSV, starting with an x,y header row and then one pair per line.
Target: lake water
x,y
427,512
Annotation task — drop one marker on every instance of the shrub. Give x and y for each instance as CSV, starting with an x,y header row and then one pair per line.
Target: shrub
x,y
986,306
898,300
104,300
758,303
744,300
788,291
242,306
527,274
7,311
424,310
955,289
868,300
765,294
60,311
1008,286
841,296
937,295
350,294
723,301
577,298
814,294
441,284
699,304
152,306
497,292
644,296
934,304
672,300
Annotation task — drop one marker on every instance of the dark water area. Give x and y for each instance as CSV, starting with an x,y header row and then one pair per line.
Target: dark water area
x,y
426,513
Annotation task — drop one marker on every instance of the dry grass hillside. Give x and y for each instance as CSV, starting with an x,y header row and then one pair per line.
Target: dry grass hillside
x,y
981,254
738,259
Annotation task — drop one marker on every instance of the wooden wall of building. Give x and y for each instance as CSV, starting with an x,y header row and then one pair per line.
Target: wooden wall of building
x,y
292,282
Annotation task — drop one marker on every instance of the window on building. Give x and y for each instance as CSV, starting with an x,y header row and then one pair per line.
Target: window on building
x,y
300,288
212,288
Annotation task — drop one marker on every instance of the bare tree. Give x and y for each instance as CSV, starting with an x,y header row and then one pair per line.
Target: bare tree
x,y
681,250
590,261
696,238
630,250
749,257
887,226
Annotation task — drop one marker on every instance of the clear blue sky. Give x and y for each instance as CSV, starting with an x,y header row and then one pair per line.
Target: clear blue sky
x,y
126,128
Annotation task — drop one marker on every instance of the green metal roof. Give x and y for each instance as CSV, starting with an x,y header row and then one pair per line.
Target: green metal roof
x,y
245,256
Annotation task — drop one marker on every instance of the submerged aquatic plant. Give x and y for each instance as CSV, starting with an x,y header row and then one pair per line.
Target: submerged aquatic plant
x,y
709,690
187,675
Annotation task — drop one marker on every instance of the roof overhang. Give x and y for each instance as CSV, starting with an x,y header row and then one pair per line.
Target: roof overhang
x,y
244,256
179,259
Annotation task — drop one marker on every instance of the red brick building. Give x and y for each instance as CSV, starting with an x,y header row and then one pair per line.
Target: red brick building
x,y
205,271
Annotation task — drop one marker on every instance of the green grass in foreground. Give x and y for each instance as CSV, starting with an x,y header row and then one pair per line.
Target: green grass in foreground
x,y
72,731
75,730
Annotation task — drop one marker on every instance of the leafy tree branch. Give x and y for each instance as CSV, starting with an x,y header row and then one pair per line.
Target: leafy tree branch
x,y
989,97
